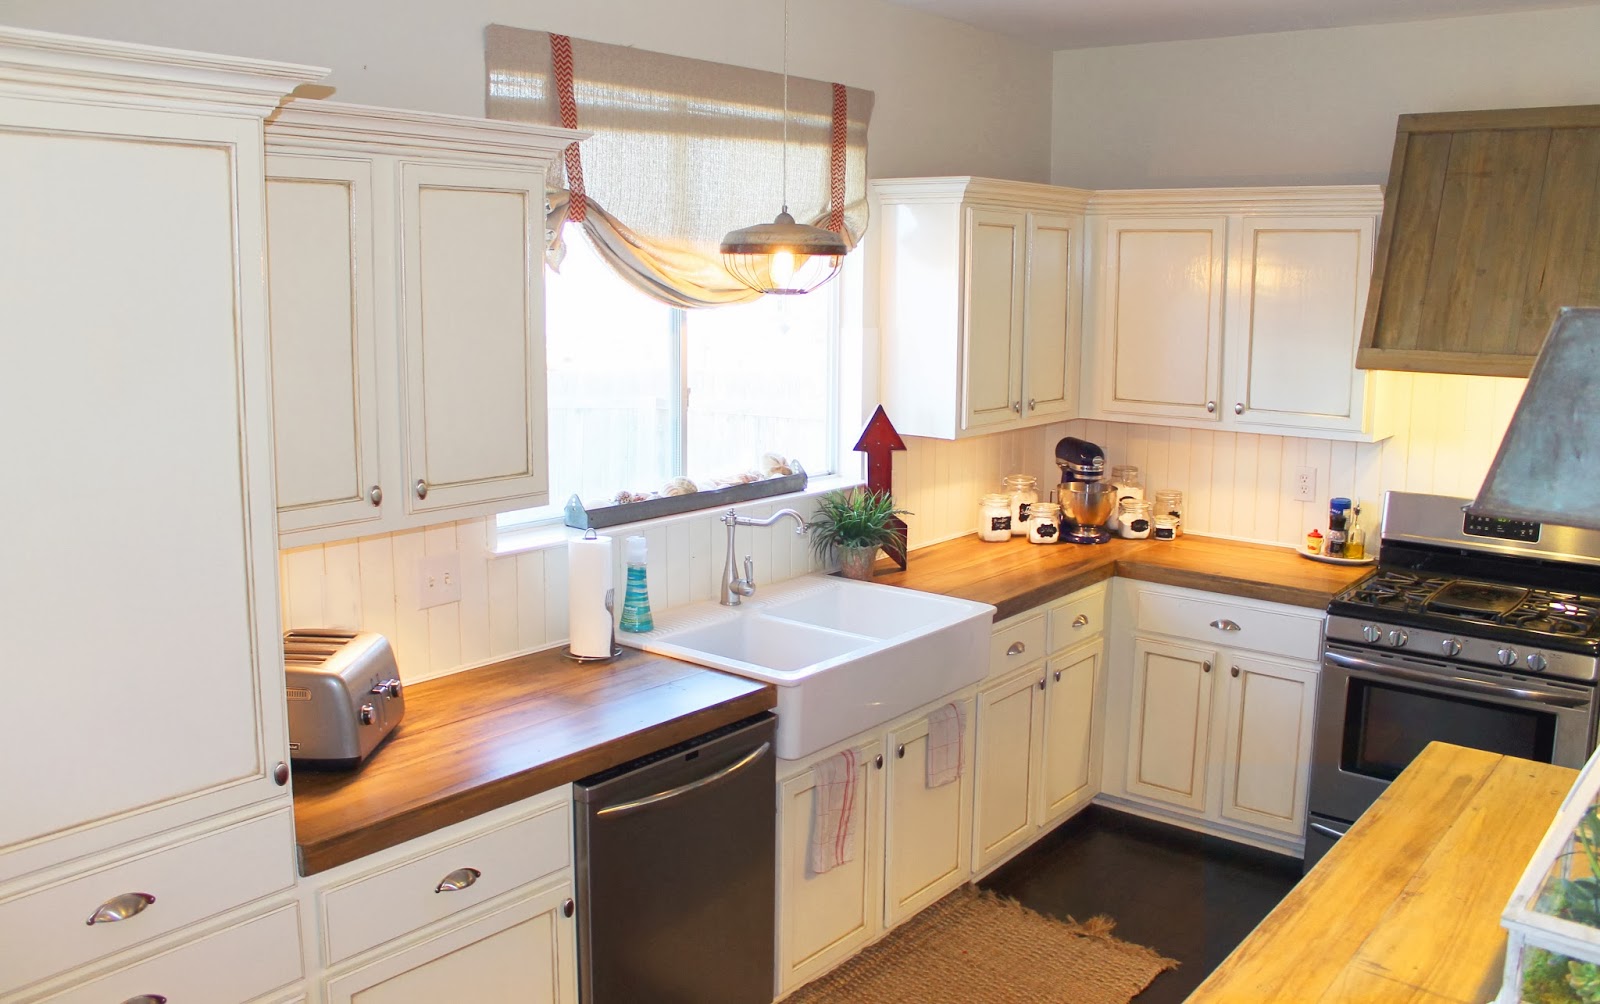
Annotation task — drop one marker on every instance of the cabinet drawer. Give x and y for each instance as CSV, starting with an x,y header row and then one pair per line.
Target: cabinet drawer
x,y
44,932
1015,645
1233,625
1076,619
236,964
405,896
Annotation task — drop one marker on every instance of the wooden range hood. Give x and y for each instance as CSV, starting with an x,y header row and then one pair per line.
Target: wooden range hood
x,y
1491,223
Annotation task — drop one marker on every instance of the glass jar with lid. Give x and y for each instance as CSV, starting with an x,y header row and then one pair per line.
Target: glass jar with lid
x,y
1023,491
1169,502
1166,527
1133,519
1044,523
1129,484
994,517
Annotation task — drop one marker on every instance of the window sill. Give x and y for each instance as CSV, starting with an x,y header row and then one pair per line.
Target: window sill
x,y
553,532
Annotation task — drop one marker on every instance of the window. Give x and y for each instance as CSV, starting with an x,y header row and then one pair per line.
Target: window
x,y
640,392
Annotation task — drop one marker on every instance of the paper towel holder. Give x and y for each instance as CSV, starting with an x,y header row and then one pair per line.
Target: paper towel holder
x,y
611,595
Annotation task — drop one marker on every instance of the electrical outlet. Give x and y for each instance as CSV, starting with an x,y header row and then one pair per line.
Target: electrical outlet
x,y
438,580
1305,484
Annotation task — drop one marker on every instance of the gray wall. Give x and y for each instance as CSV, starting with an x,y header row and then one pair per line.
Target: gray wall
x,y
1303,107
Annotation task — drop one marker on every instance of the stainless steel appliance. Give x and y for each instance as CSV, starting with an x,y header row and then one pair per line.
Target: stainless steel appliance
x,y
1474,630
676,872
343,694
1086,499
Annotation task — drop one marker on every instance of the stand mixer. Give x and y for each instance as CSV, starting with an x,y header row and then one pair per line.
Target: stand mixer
x,y
1086,499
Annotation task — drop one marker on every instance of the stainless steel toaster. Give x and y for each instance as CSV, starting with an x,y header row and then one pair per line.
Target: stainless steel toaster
x,y
343,693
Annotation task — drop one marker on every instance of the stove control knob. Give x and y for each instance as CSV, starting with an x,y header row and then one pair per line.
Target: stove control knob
x,y
1398,638
1536,662
1451,647
1371,633
1506,656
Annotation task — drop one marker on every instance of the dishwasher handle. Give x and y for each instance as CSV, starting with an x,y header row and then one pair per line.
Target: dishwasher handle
x,y
683,789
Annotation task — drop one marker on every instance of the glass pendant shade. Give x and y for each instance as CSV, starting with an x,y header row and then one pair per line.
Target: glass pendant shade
x,y
783,257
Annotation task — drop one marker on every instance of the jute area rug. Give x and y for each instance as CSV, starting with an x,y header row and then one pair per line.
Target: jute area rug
x,y
973,947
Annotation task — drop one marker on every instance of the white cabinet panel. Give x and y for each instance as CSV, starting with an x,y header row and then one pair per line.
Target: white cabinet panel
x,y
519,954
1266,752
1010,717
324,366
1161,298
1171,722
928,831
1071,692
994,314
826,918
1276,629
1051,322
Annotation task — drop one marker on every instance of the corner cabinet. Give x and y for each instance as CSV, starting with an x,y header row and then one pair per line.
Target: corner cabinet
x,y
1238,309
405,271
980,293
1210,711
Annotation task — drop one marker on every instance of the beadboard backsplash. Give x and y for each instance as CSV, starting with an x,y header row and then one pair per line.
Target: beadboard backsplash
x,y
1235,485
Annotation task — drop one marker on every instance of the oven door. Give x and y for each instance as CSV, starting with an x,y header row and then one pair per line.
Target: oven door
x,y
1377,710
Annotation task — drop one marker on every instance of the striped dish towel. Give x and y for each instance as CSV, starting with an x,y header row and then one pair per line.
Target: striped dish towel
x,y
945,728
833,813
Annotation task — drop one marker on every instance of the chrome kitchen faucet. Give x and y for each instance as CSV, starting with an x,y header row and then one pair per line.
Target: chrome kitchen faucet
x,y
734,587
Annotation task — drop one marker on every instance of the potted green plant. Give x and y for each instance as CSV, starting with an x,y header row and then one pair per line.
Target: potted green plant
x,y
854,524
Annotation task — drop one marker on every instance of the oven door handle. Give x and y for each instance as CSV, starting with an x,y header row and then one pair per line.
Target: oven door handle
x,y
1556,698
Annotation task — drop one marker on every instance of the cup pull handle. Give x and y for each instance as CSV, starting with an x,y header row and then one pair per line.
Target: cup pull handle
x,y
458,880
1080,621
1226,625
121,908
1017,648
146,999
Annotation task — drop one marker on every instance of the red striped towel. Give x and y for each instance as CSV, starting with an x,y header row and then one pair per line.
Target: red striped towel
x,y
833,812
945,729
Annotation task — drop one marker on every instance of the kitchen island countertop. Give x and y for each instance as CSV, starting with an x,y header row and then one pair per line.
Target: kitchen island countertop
x,y
1015,576
1406,907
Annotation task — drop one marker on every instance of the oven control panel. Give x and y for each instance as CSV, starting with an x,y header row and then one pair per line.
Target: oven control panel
x,y
1499,527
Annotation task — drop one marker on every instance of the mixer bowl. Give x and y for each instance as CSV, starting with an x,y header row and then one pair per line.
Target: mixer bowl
x,y
1088,503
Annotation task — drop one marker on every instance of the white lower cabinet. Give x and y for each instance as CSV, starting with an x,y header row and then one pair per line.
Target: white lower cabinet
x,y
1217,736
912,845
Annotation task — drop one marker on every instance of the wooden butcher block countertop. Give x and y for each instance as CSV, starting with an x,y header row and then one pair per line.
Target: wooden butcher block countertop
x,y
1017,576
1406,907
488,737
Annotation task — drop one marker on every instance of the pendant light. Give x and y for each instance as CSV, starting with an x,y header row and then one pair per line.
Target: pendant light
x,y
783,256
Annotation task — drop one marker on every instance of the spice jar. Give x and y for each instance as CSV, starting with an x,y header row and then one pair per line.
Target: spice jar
x,y
1169,502
1044,523
1338,510
994,517
1133,519
1023,492
1166,527
1314,542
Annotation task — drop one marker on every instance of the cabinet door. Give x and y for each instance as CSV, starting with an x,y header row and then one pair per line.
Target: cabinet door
x,y
996,243
1159,318
524,953
473,345
325,402
928,831
1294,322
145,677
1010,718
1071,689
1050,357
1170,727
823,919
1266,754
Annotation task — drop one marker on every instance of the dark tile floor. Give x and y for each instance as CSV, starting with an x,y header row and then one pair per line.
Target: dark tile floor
x,y
1188,896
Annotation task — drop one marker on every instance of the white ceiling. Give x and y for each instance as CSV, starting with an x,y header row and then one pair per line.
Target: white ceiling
x,y
1083,24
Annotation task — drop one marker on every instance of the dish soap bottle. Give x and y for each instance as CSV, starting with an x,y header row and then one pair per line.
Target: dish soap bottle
x,y
636,600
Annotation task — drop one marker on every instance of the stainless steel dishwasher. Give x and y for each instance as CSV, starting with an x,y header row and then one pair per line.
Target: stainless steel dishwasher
x,y
675,872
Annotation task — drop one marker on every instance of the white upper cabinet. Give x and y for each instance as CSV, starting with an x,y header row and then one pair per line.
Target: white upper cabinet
x,y
980,296
407,289
1233,308
145,676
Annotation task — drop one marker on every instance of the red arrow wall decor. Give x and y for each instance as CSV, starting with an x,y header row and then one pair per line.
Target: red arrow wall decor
x,y
879,442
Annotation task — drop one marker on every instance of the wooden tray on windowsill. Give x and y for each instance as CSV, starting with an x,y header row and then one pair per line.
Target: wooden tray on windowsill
x,y
581,517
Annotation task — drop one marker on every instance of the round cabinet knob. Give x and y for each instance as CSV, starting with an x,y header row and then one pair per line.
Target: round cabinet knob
x,y
375,495
1450,646
1371,633
1211,406
1041,683
280,774
878,761
1398,638
900,752
366,714
1536,662
1238,408
1506,656
1016,406
1234,672
1032,403
568,908
421,488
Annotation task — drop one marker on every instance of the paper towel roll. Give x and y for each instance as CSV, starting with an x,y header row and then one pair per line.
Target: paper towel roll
x,y
589,594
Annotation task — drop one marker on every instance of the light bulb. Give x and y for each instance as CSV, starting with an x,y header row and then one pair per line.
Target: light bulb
x,y
782,270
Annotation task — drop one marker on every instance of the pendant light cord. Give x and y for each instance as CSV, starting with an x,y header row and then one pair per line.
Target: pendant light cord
x,y
785,150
